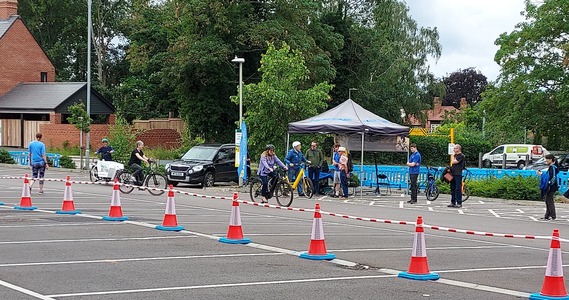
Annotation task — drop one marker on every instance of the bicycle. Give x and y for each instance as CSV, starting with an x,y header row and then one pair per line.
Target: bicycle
x,y
105,170
307,186
431,189
465,189
153,180
277,186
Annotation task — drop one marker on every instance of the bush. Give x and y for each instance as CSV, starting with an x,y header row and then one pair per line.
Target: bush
x,y
66,162
514,188
5,157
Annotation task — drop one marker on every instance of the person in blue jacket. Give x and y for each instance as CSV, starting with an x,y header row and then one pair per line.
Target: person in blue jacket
x,y
294,159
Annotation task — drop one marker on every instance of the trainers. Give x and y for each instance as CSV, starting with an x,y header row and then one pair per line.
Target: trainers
x,y
40,192
411,202
458,206
451,205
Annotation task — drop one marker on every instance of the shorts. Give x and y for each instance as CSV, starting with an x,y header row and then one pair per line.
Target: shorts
x,y
337,177
38,170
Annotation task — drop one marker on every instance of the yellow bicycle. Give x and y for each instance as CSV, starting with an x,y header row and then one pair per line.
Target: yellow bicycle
x,y
301,178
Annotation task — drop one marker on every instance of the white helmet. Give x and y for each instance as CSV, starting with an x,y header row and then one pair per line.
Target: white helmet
x,y
296,143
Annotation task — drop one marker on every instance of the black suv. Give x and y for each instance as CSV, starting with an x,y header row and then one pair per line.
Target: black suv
x,y
204,164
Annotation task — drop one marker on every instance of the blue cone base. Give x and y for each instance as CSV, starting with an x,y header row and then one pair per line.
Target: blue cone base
x,y
67,212
25,207
115,218
232,241
538,296
327,256
169,228
430,276
1,203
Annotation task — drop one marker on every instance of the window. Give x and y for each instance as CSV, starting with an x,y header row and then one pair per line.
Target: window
x,y
43,76
434,127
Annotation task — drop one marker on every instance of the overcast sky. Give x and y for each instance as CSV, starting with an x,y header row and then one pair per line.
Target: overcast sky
x,y
467,31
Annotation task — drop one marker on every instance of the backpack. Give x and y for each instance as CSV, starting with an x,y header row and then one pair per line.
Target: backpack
x,y
350,163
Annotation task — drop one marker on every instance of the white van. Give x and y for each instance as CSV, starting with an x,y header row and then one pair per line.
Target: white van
x,y
516,155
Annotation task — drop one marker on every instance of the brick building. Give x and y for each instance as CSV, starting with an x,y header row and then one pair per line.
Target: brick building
x,y
435,116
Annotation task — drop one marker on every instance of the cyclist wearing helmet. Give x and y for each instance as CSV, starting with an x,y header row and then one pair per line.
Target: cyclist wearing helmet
x,y
105,150
267,169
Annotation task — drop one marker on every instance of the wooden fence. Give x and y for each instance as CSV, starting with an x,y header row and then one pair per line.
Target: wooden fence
x,y
11,132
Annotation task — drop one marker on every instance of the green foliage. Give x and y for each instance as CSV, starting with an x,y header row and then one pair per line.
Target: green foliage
x,y
468,83
515,188
5,157
280,97
122,139
65,150
66,162
79,117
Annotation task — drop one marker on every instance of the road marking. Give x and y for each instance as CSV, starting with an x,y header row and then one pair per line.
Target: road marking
x,y
428,202
94,240
460,212
431,209
429,248
371,203
519,210
400,204
533,218
480,201
494,213
25,291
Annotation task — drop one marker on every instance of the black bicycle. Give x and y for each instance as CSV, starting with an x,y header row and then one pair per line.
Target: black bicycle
x,y
277,187
431,189
155,182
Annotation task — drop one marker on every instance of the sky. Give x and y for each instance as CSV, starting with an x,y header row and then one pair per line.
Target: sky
x,y
467,31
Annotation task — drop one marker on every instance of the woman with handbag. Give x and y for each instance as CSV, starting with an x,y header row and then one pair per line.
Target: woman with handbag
x,y
456,169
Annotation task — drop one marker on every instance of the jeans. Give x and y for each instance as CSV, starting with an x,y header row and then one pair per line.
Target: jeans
x,y
414,186
314,175
137,172
265,188
292,173
344,183
456,190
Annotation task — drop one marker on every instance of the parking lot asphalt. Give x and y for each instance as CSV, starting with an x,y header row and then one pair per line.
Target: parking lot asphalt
x,y
50,256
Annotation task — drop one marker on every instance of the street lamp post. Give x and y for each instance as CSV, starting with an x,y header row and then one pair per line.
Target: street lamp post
x,y
240,61
89,33
350,92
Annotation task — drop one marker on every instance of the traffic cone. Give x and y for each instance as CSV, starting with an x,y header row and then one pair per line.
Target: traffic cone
x,y
115,213
26,201
553,284
317,248
170,222
418,268
235,232
68,207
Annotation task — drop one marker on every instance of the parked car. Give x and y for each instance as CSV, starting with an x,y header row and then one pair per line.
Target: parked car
x,y
204,164
516,155
562,160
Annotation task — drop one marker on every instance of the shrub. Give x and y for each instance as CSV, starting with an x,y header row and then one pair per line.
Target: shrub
x,y
66,162
5,157
509,187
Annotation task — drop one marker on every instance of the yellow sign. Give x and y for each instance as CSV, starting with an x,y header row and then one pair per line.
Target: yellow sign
x,y
418,131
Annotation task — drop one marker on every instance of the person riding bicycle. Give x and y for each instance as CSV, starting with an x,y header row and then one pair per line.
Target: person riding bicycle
x,y
293,159
267,169
135,162
105,150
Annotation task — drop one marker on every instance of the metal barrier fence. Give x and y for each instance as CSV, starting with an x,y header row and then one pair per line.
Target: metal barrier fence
x,y
397,176
22,158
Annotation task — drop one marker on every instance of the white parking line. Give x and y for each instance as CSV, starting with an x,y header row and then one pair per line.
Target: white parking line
x,y
371,203
480,201
523,212
25,291
431,209
494,213
400,204
460,212
533,218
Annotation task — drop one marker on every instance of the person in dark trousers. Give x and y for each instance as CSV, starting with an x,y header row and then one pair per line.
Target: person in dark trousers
x,y
38,161
294,159
456,169
135,162
414,164
550,188
316,158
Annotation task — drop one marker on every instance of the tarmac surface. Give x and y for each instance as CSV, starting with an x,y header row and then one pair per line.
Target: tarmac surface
x,y
44,255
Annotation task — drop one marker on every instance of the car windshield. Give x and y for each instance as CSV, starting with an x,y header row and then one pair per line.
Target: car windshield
x,y
200,153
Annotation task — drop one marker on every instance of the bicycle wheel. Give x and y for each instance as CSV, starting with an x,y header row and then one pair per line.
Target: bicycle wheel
x,y
465,193
156,181
255,187
126,178
432,192
307,187
93,174
284,194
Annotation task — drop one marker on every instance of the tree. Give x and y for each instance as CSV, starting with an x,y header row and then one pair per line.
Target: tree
x,y
468,83
532,91
280,97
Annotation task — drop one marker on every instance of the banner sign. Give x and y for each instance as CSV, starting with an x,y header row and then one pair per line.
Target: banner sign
x,y
379,143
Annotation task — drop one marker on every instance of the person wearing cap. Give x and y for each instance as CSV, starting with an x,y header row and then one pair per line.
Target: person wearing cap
x,y
294,158
343,165
267,169
105,150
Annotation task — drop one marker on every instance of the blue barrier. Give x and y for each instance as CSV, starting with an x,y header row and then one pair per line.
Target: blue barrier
x,y
22,158
397,176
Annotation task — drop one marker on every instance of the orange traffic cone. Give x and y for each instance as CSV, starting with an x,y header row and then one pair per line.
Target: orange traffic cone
x,y
115,214
26,201
68,207
317,248
553,284
418,268
170,222
235,232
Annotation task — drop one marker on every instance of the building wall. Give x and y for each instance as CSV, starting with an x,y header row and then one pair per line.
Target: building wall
x,y
21,58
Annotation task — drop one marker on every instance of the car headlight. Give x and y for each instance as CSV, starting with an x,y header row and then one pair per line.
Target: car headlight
x,y
197,168
167,166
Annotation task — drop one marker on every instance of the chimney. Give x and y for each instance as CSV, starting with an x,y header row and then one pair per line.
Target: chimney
x,y
436,104
8,8
463,103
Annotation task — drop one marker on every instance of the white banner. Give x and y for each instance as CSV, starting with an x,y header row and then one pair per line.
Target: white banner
x,y
373,142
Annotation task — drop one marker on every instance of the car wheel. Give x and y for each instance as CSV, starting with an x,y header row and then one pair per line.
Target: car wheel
x,y
521,164
487,163
208,179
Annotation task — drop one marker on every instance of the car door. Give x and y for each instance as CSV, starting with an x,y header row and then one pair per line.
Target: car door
x,y
497,155
224,164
